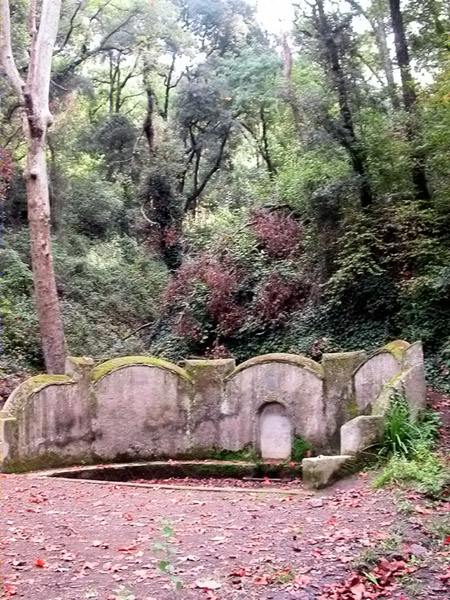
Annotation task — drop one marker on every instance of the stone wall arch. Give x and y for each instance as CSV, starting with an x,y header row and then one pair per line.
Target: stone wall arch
x,y
140,408
292,381
45,421
370,378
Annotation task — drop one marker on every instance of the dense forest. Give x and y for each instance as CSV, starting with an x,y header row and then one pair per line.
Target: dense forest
x,y
219,190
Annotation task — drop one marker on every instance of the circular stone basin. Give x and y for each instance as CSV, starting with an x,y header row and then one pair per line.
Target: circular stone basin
x,y
208,473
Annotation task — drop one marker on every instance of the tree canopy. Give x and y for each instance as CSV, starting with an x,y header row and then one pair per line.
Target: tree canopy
x,y
219,190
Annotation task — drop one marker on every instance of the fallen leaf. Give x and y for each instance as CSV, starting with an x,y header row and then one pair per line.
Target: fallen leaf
x,y
207,584
40,563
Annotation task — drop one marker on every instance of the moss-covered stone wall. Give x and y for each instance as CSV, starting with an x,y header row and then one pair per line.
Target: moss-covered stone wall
x,y
143,407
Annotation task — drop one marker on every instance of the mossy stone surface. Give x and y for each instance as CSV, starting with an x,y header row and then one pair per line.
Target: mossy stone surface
x,y
382,402
47,460
321,471
397,348
31,386
115,364
292,359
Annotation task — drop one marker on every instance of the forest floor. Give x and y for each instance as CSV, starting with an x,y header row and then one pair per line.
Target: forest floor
x,y
70,540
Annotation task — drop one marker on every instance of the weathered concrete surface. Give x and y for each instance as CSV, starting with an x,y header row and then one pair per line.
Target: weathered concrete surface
x,y
414,388
414,355
48,426
361,433
142,407
141,411
321,471
208,382
339,397
275,432
298,389
370,378
381,405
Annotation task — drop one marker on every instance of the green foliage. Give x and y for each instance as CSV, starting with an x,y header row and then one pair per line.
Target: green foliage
x,y
409,448
159,166
246,455
300,449
424,470
166,554
108,289
400,433
94,207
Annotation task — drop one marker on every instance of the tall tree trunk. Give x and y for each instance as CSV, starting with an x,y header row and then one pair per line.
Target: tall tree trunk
x,y
34,97
346,132
289,88
385,56
409,99
165,224
50,320
378,25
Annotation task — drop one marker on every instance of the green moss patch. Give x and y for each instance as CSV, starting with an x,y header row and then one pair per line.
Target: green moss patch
x,y
115,364
296,360
382,402
397,348
31,386
45,461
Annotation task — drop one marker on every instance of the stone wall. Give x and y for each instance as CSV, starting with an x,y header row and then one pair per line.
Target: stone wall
x,y
294,383
139,408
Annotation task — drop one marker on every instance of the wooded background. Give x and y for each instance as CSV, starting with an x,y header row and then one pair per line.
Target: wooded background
x,y
216,190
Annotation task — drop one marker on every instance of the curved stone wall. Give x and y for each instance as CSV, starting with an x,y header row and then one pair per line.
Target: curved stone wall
x,y
141,407
371,376
272,380
140,411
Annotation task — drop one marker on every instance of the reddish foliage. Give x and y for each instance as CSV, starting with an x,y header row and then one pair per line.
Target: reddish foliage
x,y
379,583
222,283
182,284
218,351
279,234
277,297
170,236
187,326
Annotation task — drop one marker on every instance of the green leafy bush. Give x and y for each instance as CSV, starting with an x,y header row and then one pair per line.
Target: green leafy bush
x,y
400,433
423,470
300,449
409,449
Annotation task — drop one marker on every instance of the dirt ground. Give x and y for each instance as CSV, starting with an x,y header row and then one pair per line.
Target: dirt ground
x,y
71,540
66,540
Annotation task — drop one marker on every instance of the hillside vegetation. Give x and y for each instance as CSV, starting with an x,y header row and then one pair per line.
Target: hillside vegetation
x,y
217,190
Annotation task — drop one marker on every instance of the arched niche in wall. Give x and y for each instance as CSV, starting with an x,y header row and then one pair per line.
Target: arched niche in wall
x,y
275,432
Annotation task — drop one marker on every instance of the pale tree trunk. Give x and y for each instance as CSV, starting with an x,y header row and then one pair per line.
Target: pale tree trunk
x,y
419,175
34,96
383,48
378,25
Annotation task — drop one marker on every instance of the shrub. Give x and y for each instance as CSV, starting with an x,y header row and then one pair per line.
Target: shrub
x,y
300,448
409,449
400,433
424,471
94,207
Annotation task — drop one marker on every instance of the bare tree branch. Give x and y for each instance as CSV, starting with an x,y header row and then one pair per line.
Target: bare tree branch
x,y
71,27
192,198
32,19
6,55
38,81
